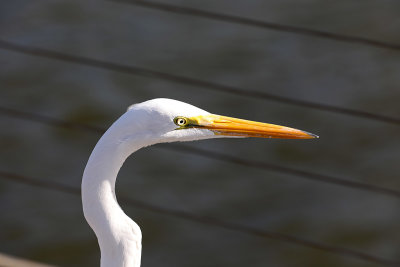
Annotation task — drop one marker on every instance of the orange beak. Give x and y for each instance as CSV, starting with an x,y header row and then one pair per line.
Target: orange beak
x,y
227,126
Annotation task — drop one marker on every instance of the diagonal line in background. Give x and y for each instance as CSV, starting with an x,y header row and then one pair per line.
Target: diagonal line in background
x,y
283,169
350,253
259,23
45,53
210,154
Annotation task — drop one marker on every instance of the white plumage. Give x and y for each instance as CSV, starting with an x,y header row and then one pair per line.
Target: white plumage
x,y
144,124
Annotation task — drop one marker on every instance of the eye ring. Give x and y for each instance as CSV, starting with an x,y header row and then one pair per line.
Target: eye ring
x,y
181,121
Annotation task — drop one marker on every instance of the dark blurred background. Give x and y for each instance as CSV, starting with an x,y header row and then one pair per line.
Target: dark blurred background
x,y
48,226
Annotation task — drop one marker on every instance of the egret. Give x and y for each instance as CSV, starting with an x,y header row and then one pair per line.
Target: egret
x,y
144,124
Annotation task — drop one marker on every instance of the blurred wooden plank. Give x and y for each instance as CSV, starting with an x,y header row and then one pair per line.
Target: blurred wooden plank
x,y
11,261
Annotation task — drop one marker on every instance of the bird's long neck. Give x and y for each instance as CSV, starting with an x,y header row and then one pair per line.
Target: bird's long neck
x,y
118,236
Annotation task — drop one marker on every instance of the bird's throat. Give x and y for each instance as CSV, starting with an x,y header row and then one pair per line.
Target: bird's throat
x,y
118,236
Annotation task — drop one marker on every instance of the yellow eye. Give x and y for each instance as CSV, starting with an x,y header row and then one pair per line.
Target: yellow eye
x,y
180,121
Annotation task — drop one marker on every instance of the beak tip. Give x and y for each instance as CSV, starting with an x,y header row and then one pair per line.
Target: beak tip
x,y
311,135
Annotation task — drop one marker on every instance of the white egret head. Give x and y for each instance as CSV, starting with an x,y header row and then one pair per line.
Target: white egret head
x,y
165,120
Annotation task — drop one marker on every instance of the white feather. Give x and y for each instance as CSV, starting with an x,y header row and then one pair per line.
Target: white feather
x,y
142,125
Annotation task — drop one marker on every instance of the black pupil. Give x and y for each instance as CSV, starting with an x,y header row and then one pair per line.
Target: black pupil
x,y
181,121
